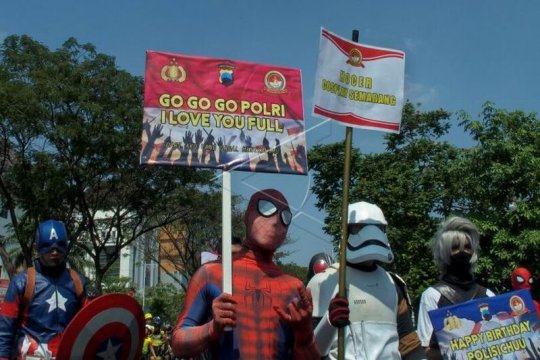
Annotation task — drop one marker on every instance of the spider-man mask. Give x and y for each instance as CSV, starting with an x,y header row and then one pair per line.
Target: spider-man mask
x,y
522,279
267,219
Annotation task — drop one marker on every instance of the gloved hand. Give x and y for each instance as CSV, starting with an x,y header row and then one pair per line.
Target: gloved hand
x,y
224,311
299,316
338,312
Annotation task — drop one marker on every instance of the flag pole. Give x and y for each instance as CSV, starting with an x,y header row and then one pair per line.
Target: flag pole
x,y
342,292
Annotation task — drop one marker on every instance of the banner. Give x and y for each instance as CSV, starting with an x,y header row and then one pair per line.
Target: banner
x,y
500,327
359,85
207,112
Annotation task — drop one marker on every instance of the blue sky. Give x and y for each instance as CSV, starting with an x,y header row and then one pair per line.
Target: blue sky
x,y
459,54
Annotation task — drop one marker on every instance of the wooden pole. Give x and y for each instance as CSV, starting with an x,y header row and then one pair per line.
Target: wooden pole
x,y
342,292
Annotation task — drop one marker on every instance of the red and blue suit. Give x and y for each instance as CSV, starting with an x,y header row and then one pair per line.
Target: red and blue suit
x,y
42,322
260,327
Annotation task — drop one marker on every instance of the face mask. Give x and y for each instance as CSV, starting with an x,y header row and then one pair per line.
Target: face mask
x,y
460,264
462,258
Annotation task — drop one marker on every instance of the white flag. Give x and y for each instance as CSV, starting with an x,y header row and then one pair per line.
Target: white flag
x,y
359,85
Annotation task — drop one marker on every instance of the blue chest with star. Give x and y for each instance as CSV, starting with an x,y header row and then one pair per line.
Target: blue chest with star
x,y
53,305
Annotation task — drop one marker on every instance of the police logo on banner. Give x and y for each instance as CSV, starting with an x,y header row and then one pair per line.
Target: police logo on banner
x,y
109,327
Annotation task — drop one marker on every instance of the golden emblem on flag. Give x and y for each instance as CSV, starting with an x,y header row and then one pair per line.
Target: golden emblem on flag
x,y
355,57
173,72
275,82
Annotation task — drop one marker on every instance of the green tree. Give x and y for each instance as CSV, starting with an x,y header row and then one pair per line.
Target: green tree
x,y
503,190
295,270
70,130
411,181
115,285
199,230
421,178
165,301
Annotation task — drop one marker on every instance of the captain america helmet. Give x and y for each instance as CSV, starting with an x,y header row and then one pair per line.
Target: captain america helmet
x,y
367,234
51,234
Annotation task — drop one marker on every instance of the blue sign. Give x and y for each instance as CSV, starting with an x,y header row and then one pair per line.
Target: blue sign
x,y
500,327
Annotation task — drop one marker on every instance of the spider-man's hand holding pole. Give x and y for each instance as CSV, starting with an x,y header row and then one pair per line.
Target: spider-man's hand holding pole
x,y
224,310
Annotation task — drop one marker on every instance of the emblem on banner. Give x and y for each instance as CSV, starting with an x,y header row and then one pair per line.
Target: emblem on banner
x,y
517,305
275,82
109,327
355,58
173,72
226,74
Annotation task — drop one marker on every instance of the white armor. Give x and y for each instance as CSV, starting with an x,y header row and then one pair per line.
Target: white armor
x,y
373,304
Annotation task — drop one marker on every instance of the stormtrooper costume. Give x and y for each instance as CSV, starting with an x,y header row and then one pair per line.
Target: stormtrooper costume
x,y
380,323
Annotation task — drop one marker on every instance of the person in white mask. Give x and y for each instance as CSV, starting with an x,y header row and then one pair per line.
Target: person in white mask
x,y
376,313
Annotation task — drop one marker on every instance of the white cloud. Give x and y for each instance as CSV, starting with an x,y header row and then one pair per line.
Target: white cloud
x,y
411,44
420,93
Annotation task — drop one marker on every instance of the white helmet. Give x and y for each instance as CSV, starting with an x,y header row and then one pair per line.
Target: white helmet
x,y
367,240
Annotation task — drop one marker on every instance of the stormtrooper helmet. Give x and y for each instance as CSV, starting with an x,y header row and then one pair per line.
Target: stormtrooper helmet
x,y
367,234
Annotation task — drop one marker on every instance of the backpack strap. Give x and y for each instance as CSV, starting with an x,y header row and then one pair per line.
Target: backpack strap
x,y
31,284
29,287
77,283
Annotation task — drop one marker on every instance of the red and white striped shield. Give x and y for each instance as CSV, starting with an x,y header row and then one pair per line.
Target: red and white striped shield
x,y
109,327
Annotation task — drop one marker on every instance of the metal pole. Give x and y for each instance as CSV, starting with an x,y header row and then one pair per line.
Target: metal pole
x,y
226,259
344,222
226,235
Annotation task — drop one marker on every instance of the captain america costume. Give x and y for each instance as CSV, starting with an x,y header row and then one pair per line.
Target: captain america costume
x,y
40,301
53,305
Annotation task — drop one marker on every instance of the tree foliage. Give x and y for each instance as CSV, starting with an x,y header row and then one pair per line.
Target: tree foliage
x,y
503,190
199,230
421,178
295,270
70,131
166,301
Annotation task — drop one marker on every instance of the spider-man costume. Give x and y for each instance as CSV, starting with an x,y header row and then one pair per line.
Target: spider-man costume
x,y
523,279
260,293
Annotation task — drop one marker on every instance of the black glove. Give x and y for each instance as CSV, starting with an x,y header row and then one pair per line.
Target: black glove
x,y
338,312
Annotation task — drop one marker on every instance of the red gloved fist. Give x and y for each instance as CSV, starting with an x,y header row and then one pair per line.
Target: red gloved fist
x,y
338,312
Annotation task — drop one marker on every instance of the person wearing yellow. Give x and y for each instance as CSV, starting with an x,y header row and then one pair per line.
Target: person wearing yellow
x,y
147,342
157,340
